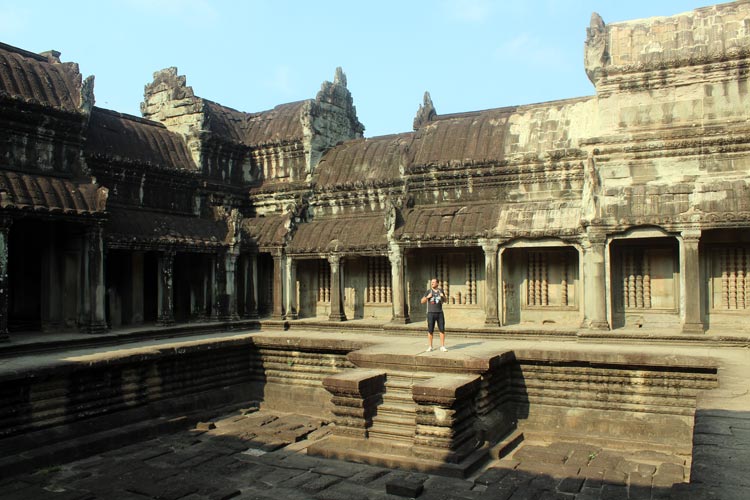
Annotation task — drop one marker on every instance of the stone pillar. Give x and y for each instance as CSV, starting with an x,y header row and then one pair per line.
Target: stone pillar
x,y
226,294
93,317
691,286
50,289
4,291
247,268
594,283
291,289
250,273
278,290
209,292
136,288
490,276
398,285
337,289
501,287
165,313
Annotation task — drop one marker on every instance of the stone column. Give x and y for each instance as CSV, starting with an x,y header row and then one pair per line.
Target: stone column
x,y
398,284
691,286
209,291
136,288
165,313
93,319
501,287
594,283
50,289
226,296
250,272
291,289
249,310
337,289
490,276
278,289
4,292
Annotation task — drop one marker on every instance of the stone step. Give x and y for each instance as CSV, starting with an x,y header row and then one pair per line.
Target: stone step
x,y
398,408
385,434
396,419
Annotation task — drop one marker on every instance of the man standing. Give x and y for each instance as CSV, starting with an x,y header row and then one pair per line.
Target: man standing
x,y
434,299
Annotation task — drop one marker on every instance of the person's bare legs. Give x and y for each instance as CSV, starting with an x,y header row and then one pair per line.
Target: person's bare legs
x,y
429,338
442,339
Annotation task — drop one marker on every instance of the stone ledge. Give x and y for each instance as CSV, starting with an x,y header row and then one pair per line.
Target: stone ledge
x,y
363,451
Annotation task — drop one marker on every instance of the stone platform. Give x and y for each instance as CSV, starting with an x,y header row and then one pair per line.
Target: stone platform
x,y
286,370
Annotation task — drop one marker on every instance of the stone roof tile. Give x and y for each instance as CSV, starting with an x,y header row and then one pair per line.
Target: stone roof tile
x,y
152,229
266,232
38,79
55,195
477,136
115,135
378,159
351,234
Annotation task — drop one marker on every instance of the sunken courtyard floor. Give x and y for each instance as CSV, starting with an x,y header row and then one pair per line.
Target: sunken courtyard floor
x,y
261,454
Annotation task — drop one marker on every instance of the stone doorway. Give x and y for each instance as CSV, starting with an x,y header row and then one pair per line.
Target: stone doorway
x,y
44,275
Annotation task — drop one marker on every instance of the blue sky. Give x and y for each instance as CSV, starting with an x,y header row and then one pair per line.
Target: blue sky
x,y
254,54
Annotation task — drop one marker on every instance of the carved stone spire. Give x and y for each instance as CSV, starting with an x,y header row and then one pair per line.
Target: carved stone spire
x,y
426,112
340,77
596,50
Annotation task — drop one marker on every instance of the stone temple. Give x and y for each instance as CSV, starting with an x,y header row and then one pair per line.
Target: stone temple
x,y
617,217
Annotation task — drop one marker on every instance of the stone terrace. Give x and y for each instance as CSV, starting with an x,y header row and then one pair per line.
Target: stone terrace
x,y
539,468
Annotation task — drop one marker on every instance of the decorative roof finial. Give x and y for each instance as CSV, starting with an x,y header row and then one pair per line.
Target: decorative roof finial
x,y
340,77
426,112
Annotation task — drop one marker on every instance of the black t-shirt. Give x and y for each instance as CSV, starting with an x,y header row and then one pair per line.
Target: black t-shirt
x,y
434,300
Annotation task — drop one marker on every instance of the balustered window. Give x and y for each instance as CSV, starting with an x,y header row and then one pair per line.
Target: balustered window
x,y
378,281
442,272
636,279
645,277
324,281
550,278
459,275
730,278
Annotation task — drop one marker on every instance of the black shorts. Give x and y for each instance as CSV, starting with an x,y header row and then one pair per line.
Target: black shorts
x,y
432,318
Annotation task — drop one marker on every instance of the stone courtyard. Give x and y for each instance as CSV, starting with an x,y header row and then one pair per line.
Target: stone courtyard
x,y
256,452
208,303
261,455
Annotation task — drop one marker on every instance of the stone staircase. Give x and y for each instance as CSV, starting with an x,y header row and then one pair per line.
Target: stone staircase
x,y
394,423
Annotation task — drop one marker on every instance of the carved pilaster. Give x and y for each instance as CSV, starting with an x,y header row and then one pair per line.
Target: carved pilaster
x,y
398,285
337,289
356,396
4,291
491,279
445,418
164,288
690,282
594,283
